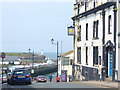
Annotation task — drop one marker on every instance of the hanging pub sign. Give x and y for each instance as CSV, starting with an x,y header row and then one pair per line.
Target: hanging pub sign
x,y
71,31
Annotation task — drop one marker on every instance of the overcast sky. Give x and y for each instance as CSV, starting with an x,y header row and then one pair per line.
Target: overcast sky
x,y
32,25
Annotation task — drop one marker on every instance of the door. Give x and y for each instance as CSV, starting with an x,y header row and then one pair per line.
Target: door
x,y
64,75
110,63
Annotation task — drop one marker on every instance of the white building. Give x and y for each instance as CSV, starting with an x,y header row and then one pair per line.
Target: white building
x,y
65,64
96,39
10,60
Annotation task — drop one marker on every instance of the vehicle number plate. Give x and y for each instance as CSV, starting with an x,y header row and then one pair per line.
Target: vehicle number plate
x,y
21,76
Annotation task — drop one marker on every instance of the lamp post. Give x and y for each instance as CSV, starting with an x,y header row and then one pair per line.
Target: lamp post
x,y
2,56
52,40
33,60
32,70
29,50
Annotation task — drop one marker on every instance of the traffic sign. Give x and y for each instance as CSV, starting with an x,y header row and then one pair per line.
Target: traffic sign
x,y
2,55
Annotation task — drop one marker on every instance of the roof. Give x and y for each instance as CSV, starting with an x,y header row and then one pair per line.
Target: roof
x,y
11,58
67,53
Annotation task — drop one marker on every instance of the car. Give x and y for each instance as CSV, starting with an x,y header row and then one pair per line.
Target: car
x,y
41,78
3,78
19,76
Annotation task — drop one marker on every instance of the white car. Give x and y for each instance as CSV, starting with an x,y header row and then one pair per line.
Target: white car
x,y
4,78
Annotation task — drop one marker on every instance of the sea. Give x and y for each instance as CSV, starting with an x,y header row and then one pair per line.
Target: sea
x,y
50,55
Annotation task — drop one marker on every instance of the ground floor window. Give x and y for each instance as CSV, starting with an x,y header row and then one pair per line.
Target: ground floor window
x,y
79,54
86,55
95,55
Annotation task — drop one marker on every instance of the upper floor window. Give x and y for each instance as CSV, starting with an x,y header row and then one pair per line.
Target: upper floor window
x,y
95,29
78,9
95,55
109,24
85,6
79,33
94,4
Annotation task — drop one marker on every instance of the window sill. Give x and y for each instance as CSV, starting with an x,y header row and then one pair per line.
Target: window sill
x,y
95,65
95,38
109,33
79,62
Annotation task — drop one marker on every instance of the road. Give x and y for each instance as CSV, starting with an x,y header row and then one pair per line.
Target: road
x,y
50,85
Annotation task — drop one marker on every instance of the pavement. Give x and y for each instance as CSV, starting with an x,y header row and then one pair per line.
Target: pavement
x,y
106,84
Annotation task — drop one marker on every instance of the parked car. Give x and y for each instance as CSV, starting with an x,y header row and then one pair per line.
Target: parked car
x,y
41,78
19,76
4,78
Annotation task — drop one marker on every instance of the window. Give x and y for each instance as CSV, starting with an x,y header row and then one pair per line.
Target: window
x,y
95,55
78,8
79,33
86,55
99,60
87,31
95,29
109,24
94,4
85,6
79,55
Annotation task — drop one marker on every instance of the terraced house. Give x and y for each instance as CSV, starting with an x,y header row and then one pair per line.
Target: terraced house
x,y
96,39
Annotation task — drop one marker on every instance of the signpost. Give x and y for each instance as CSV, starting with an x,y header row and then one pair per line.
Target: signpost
x,y
2,56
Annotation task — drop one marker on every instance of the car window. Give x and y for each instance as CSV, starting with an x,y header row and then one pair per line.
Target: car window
x,y
21,72
41,77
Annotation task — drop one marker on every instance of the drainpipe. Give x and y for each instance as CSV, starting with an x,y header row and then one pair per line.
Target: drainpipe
x,y
73,66
103,41
115,25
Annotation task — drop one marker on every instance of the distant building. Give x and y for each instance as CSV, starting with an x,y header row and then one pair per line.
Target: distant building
x,y
10,60
65,65
96,39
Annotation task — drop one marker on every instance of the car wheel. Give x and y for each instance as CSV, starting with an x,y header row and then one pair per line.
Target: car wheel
x,y
11,83
30,83
8,82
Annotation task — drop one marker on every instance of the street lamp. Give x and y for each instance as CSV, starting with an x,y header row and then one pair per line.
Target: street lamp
x,y
2,56
52,40
33,60
29,50
32,71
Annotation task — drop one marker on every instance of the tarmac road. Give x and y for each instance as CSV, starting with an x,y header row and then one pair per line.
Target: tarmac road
x,y
51,85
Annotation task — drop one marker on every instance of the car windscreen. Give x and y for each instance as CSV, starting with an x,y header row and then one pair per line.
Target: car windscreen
x,y
21,72
4,75
41,77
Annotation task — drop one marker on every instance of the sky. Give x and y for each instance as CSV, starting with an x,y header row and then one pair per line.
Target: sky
x,y
32,25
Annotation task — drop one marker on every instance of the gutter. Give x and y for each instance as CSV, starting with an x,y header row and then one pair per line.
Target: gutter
x,y
94,10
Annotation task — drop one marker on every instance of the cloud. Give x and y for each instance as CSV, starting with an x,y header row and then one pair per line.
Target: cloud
x,y
37,0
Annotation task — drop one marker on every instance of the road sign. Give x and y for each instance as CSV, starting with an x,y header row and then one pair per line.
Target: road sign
x,y
2,55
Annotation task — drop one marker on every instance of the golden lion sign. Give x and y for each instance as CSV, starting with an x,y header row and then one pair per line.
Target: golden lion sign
x,y
71,30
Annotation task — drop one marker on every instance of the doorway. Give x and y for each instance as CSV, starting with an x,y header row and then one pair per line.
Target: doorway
x,y
109,61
